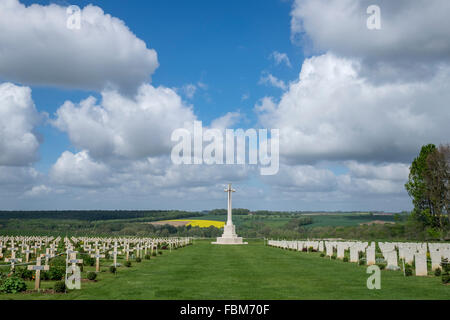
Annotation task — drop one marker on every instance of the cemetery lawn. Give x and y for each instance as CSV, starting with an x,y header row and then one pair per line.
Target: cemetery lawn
x,y
253,271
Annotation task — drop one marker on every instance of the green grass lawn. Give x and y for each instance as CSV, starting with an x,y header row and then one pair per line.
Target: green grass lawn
x,y
254,271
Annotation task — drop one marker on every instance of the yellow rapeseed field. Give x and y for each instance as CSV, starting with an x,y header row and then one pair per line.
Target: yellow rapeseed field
x,y
203,223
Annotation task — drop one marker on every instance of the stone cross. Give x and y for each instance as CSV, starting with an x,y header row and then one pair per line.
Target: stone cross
x,y
47,255
37,268
97,256
27,252
229,212
114,254
35,247
73,259
13,259
138,250
127,251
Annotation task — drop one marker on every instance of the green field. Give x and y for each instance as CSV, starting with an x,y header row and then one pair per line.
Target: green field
x,y
254,271
319,220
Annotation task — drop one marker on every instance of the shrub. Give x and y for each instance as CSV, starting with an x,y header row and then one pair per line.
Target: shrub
x,y
45,275
88,261
127,264
13,285
361,262
382,266
408,270
437,272
60,287
445,271
147,257
445,265
160,252
23,273
154,253
91,275
112,269
345,259
138,259
56,273
58,262
322,255
445,279
333,257
310,249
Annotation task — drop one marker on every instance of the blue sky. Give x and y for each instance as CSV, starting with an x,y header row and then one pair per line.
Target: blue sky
x,y
348,101
225,45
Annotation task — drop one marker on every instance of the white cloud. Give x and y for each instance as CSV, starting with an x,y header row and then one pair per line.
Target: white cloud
x,y
79,170
414,37
37,191
280,58
299,178
227,121
388,171
333,113
18,176
269,79
38,49
125,127
18,118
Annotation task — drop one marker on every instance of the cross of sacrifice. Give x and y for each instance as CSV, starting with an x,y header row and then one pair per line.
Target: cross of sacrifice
x,y
37,268
13,259
97,256
27,252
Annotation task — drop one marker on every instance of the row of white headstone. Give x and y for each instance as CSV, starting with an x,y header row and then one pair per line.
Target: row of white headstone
x,y
409,252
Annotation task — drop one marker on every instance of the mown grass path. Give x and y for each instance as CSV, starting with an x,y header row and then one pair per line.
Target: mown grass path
x,y
254,271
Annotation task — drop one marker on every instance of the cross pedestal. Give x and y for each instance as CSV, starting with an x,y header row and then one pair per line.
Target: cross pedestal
x,y
229,235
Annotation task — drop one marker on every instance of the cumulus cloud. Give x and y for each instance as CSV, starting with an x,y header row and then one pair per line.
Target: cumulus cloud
x,y
413,39
361,187
18,118
37,48
79,170
120,126
18,176
333,113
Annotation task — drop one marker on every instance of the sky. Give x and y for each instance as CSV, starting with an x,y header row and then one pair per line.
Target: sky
x,y
86,114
